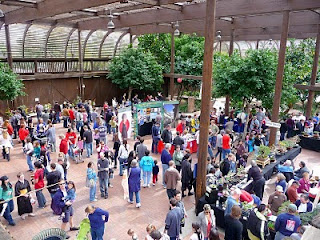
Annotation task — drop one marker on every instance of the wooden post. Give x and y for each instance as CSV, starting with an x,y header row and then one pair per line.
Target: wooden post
x,y
171,88
279,77
220,46
130,38
81,89
227,104
313,75
8,43
257,44
206,97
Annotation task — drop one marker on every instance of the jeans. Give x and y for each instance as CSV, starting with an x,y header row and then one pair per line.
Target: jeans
x,y
137,196
225,152
41,199
164,169
57,117
79,124
213,141
258,187
93,190
7,212
108,128
282,136
103,183
70,150
97,234
65,122
219,151
279,236
52,145
113,130
30,163
171,193
146,177
154,147
122,165
256,150
89,149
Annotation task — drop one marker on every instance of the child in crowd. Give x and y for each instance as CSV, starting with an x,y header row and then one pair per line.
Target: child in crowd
x,y
243,160
96,136
71,196
132,234
155,172
80,145
36,149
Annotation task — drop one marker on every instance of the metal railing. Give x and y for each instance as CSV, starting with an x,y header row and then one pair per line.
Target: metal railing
x,y
28,66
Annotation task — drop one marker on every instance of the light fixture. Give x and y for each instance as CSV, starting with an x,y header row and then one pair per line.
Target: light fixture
x,y
1,13
218,35
176,31
110,23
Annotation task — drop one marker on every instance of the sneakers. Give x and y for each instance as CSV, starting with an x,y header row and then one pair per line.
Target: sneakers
x,y
12,223
23,217
131,202
138,205
190,194
153,184
94,200
31,215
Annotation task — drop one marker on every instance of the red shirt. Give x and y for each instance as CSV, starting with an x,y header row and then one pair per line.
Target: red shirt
x,y
64,146
39,174
226,141
245,197
23,133
71,115
10,129
180,128
72,137
292,194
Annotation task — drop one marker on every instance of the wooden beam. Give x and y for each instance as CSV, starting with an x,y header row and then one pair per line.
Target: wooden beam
x,y
8,45
157,3
279,76
313,75
117,43
80,65
197,11
206,97
172,62
314,88
48,8
19,3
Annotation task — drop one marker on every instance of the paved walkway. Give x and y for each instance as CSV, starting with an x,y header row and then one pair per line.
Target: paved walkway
x,y
122,215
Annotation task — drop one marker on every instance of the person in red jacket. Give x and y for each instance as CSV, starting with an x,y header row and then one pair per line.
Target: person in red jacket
x,y
63,144
7,125
23,134
181,126
72,117
71,138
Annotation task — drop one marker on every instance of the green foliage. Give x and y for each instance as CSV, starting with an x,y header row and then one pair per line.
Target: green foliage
x,y
245,78
136,69
264,151
10,86
308,216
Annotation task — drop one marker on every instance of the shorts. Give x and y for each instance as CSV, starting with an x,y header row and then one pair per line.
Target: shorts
x,y
68,214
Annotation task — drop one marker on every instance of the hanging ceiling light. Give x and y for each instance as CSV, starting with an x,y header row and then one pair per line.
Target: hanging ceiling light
x,y
176,32
110,23
218,35
1,13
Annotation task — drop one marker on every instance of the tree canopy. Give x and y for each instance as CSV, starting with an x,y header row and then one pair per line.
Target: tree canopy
x,y
10,85
136,69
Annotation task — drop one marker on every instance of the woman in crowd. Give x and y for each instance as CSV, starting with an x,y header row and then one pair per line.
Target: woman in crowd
x,y
177,157
146,165
28,149
6,194
39,184
258,224
6,143
23,134
134,183
123,156
304,183
22,189
197,235
206,220
150,228
7,126
281,180
116,147
92,181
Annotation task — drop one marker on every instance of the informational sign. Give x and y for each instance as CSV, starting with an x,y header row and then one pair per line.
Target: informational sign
x,y
36,99
273,124
124,123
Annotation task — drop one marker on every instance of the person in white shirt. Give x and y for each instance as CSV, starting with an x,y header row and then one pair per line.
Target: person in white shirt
x,y
197,234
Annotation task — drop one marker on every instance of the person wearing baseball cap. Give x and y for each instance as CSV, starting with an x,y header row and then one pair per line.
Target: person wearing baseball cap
x,y
287,223
276,199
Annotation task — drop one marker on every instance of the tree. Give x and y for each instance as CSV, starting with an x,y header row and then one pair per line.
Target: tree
x,y
136,69
10,85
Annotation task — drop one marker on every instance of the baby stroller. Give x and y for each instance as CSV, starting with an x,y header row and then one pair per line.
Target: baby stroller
x,y
77,155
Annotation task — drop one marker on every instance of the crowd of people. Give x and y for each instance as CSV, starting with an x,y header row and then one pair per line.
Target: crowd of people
x,y
86,134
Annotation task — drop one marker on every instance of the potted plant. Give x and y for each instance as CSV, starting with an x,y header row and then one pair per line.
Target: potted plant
x,y
305,134
264,152
316,135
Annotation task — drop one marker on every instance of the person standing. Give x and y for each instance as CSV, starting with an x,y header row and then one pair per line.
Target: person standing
x,y
72,117
287,223
102,132
178,140
87,137
22,189
233,227
258,179
92,181
63,147
28,149
123,156
167,134
71,138
177,157
116,147
141,149
165,159
39,109
171,178
39,184
226,144
134,182
155,137
186,175
103,174
97,218
207,221
258,224
57,111
53,178
51,135
292,191
232,200
173,220
23,134
276,199
219,145
6,194
146,165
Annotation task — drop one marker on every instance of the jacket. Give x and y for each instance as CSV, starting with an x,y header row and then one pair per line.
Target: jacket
x,y
258,225
203,221
166,136
23,133
309,205
171,178
146,163
134,179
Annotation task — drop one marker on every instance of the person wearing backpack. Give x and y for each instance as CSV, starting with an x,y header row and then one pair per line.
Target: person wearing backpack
x,y
146,164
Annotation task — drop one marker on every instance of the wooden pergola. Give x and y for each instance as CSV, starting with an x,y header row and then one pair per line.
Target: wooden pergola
x,y
238,20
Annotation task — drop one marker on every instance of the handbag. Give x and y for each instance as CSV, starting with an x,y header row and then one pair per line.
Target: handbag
x,y
90,182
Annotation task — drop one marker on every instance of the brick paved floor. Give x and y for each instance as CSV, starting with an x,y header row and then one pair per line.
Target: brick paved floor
x,y
122,215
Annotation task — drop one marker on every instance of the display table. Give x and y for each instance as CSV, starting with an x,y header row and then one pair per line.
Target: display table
x,y
310,143
161,146
145,129
192,146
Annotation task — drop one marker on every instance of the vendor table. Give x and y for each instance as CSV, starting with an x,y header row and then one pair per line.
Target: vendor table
x,y
310,143
192,146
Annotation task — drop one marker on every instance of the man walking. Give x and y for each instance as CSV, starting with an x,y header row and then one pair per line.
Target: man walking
x,y
155,137
97,221
165,159
87,137
173,220
171,178
103,174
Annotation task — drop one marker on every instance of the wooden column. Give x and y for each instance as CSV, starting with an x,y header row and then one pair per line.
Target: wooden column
x,y
220,46
227,104
279,76
8,43
130,38
171,88
81,89
313,75
206,97
257,44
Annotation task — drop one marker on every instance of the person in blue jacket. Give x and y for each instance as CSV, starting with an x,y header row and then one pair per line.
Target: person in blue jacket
x,y
303,204
97,218
146,164
287,223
